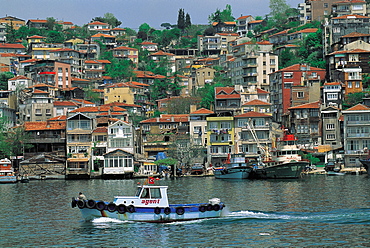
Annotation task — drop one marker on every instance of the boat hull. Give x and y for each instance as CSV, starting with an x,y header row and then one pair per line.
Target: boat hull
x,y
158,215
366,164
8,179
233,173
280,171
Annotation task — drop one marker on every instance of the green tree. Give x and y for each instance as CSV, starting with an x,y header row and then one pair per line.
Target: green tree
x,y
181,19
187,21
222,16
91,95
166,25
50,23
13,141
55,37
11,36
110,19
4,77
353,99
278,8
311,50
181,105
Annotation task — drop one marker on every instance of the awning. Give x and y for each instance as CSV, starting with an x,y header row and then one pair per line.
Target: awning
x,y
78,159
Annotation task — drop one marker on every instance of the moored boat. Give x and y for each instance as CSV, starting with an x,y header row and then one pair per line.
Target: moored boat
x,y
284,162
6,172
365,161
235,167
150,204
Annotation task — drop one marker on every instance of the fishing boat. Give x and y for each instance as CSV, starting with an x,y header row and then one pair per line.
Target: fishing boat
x,y
149,204
6,172
283,162
235,167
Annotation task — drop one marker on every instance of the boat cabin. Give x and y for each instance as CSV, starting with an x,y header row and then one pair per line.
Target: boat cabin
x,y
6,168
146,196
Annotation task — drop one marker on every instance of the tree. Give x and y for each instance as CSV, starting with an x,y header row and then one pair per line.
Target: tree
x,y
4,77
187,21
278,8
166,25
353,99
110,19
91,95
181,19
50,23
221,16
10,33
184,151
13,141
181,105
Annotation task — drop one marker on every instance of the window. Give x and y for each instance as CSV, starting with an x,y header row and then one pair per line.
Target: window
x,y
330,136
326,5
330,126
357,84
349,84
300,94
288,74
226,125
213,125
288,85
353,57
48,111
332,96
38,111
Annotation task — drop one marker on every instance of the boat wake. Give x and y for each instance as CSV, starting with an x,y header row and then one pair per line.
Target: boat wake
x,y
340,216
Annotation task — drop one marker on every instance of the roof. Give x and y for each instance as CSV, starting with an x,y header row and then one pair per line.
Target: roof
x,y
44,125
58,118
65,103
125,48
358,107
100,130
256,102
252,114
355,34
226,92
97,61
264,42
98,109
297,67
36,37
260,91
350,51
161,53
103,35
307,30
311,105
243,17
353,16
20,77
15,46
202,111
97,23
168,118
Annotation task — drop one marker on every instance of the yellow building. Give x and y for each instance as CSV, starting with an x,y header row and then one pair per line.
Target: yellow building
x,y
128,92
11,20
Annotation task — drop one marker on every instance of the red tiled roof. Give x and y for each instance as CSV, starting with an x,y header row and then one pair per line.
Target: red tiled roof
x,y
350,51
42,85
125,48
359,107
297,67
111,113
58,118
65,103
168,118
265,42
98,109
228,34
82,101
100,130
355,34
252,114
260,91
36,91
256,102
79,79
15,46
353,16
64,50
20,77
98,61
311,105
307,30
243,17
36,37
44,125
202,111
103,35
148,43
37,20
97,23
161,53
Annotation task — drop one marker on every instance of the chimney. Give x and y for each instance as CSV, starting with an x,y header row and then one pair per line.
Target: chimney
x,y
193,108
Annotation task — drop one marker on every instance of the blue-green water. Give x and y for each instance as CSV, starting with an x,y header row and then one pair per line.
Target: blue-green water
x,y
316,211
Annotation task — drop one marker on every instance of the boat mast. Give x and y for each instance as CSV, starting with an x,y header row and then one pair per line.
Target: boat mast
x,y
263,151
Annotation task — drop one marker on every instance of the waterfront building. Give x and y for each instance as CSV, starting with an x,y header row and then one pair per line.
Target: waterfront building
x,y
282,82
356,134
220,139
198,125
79,132
304,121
332,127
246,126
157,134
227,101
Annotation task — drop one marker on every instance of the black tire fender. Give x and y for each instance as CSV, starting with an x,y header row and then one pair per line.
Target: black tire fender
x,y
91,204
121,208
167,211
73,203
180,210
202,208
157,210
111,207
216,207
131,209
100,205
209,207
81,204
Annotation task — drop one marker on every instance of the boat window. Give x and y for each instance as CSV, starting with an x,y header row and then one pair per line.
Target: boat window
x,y
156,193
138,192
145,193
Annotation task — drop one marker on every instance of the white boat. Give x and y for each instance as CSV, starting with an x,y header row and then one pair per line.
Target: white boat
x,y
150,204
335,173
6,172
234,168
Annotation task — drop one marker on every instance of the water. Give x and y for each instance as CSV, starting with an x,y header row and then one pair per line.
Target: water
x,y
316,211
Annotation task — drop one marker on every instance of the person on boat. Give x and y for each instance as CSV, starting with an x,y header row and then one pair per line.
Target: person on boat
x,y
82,197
